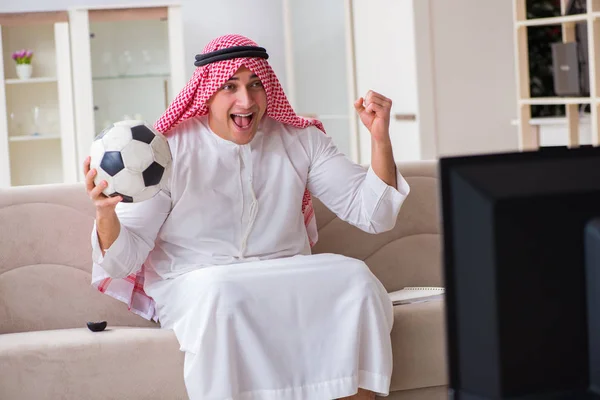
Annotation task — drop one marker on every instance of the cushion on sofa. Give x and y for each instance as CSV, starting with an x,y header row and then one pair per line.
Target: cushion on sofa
x,y
419,346
59,364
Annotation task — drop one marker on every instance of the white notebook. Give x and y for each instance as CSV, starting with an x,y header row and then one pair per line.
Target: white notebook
x,y
410,295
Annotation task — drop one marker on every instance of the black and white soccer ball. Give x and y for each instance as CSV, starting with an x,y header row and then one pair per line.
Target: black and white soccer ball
x,y
133,158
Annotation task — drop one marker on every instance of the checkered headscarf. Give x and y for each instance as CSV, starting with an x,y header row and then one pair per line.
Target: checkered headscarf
x,y
192,102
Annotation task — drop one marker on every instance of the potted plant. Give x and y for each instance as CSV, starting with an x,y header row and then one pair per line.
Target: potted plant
x,y
23,60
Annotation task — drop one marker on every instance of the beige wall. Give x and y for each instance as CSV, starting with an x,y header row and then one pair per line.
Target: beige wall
x,y
475,93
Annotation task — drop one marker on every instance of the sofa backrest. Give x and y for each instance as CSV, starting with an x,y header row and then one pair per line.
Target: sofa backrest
x,y
45,262
45,252
409,254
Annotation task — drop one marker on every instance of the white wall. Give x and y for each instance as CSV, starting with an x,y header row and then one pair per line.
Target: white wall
x,y
260,20
472,49
474,76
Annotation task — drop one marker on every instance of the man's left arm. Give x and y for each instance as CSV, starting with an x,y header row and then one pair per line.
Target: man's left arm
x,y
368,199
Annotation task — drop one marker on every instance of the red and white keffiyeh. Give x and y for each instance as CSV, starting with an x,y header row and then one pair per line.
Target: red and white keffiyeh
x,y
191,102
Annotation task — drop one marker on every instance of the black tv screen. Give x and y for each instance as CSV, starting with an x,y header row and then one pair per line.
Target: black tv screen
x,y
514,269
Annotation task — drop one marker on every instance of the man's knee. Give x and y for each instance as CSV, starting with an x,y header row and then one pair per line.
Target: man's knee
x,y
359,274
226,296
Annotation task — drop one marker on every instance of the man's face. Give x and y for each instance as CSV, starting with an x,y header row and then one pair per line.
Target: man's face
x,y
236,109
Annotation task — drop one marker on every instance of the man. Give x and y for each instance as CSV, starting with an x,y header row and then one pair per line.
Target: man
x,y
225,247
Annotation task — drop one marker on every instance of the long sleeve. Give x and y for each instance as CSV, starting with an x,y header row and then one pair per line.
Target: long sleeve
x,y
355,194
140,224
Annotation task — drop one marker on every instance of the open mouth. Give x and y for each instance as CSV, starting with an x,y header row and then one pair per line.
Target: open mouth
x,y
243,121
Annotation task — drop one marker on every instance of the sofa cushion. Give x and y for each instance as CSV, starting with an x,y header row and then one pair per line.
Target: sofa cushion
x,y
78,363
418,344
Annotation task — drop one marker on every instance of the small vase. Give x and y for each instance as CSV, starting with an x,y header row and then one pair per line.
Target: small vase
x,y
24,71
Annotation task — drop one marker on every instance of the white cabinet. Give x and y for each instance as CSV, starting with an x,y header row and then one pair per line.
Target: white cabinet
x,y
318,69
392,53
91,67
337,51
37,139
129,65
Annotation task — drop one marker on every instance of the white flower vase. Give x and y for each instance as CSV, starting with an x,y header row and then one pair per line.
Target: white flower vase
x,y
24,71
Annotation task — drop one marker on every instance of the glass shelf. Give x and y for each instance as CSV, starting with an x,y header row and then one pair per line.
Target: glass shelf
x,y
26,138
119,77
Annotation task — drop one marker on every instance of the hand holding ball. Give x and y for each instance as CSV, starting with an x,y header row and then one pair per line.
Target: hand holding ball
x,y
133,158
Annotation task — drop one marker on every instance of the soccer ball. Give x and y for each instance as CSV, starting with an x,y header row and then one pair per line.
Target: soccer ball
x,y
133,158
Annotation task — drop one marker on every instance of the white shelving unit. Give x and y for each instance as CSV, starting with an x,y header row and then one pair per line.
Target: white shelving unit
x,y
528,135
48,122
37,136
540,101
131,65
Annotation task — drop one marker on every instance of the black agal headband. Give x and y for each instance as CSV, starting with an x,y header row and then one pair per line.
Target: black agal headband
x,y
230,53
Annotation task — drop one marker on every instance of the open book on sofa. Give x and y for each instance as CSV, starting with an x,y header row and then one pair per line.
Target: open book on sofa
x,y
410,295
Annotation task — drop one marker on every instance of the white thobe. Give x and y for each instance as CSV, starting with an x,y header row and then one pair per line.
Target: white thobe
x,y
311,327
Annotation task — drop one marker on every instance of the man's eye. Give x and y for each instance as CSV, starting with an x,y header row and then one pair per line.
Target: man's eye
x,y
227,87
257,84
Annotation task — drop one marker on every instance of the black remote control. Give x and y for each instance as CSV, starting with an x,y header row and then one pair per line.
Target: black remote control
x,y
96,326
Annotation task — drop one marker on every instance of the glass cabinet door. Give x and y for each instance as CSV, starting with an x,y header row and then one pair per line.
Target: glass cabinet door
x,y
128,64
130,70
316,31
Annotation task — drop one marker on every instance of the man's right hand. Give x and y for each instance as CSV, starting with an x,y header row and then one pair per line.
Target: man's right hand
x,y
104,205
107,221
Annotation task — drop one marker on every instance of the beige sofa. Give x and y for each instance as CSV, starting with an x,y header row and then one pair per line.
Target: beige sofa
x,y
46,351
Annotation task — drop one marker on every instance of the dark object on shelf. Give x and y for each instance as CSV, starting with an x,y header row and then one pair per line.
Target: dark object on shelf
x,y
581,36
96,326
539,38
570,65
566,69
522,274
576,7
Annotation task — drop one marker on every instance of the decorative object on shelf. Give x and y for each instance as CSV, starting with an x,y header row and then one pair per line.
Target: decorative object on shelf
x,y
15,124
540,25
35,119
541,81
146,57
576,7
23,60
124,63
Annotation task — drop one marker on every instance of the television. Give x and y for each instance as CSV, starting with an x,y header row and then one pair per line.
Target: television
x,y
522,310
